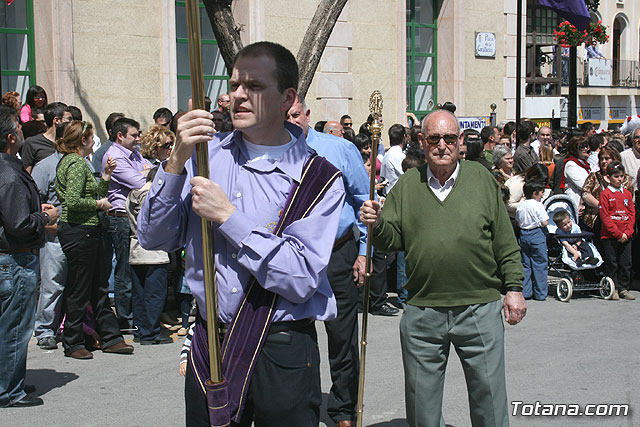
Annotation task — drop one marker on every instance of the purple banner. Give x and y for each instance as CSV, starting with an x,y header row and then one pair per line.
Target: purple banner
x,y
574,11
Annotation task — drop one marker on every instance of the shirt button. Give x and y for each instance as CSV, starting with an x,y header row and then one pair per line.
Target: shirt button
x,y
159,182
238,195
234,256
234,290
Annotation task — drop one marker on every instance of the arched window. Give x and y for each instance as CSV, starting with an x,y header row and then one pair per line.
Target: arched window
x,y
619,51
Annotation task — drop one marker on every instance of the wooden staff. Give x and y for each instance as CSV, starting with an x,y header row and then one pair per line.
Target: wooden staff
x,y
375,107
202,154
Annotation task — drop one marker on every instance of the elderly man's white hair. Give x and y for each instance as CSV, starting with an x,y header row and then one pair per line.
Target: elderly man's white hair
x,y
438,112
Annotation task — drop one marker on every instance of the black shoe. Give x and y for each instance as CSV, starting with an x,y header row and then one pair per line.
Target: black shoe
x,y
27,401
385,310
136,338
159,340
48,343
29,388
591,261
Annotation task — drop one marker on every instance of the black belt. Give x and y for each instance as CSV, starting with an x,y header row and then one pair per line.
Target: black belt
x,y
117,213
343,239
21,251
276,327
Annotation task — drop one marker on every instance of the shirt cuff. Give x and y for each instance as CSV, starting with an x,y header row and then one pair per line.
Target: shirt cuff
x,y
237,228
363,249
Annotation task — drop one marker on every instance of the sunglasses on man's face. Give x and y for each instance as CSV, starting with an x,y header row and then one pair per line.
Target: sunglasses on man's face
x,y
349,124
449,139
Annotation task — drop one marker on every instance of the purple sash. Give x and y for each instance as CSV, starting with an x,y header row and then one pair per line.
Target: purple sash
x,y
250,326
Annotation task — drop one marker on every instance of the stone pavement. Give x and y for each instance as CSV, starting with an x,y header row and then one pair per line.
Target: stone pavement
x,y
584,352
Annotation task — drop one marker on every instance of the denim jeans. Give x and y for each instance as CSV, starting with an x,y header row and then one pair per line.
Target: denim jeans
x,y
119,232
149,293
53,276
533,249
401,278
18,289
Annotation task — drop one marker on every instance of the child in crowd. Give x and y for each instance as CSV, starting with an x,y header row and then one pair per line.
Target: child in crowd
x,y
577,247
184,353
618,217
532,217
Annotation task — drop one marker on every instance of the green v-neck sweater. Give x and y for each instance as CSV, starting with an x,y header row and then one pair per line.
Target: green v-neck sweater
x,y
458,251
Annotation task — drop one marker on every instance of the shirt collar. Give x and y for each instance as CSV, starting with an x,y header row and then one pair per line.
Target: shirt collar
x,y
126,151
291,162
13,160
450,181
616,190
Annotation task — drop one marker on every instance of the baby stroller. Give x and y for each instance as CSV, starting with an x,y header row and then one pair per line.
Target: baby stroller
x,y
564,273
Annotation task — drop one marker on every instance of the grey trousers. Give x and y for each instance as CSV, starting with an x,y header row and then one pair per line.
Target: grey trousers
x,y
477,334
53,276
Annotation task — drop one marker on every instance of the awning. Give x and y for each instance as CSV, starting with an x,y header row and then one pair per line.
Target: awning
x,y
595,122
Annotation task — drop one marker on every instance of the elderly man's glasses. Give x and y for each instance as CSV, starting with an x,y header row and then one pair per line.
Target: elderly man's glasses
x,y
449,139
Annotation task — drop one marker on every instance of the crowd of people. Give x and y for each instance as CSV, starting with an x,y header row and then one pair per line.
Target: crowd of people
x,y
132,204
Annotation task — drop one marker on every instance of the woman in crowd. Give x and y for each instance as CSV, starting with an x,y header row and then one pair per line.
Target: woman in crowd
x,y
149,274
156,144
363,142
593,186
576,167
515,184
12,99
79,234
36,98
503,163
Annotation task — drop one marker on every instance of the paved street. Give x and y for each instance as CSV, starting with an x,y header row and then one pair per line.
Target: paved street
x,y
583,352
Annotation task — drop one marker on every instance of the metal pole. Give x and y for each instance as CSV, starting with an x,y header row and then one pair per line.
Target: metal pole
x,y
202,154
375,106
518,70
572,118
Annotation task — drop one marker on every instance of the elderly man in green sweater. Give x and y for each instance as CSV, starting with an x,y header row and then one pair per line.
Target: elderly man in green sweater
x,y
449,218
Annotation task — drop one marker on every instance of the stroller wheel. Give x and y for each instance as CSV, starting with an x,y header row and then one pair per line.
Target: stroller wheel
x,y
564,290
607,287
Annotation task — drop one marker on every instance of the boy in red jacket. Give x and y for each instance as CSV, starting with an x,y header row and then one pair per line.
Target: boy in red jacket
x,y
618,217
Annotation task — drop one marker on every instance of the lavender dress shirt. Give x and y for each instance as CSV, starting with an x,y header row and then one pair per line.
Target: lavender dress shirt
x,y
128,174
293,266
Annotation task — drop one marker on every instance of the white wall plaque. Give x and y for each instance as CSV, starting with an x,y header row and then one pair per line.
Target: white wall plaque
x,y
485,44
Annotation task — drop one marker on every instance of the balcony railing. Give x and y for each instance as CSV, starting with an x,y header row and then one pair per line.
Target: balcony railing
x,y
616,73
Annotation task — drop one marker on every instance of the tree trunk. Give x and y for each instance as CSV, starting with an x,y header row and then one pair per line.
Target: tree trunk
x,y
225,29
315,40
227,34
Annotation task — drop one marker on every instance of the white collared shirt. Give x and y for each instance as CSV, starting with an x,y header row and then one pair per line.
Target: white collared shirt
x,y
614,189
442,191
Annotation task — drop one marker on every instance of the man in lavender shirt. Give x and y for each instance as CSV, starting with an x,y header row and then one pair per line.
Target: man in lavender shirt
x,y
251,173
129,174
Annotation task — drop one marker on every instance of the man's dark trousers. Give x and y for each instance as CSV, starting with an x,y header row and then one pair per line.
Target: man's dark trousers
x,y
149,294
284,388
342,334
119,231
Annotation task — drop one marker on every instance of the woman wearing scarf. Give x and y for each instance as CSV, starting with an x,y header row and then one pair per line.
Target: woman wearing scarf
x,y
576,167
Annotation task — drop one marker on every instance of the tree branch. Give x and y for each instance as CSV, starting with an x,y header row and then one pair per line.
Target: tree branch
x,y
225,29
315,40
